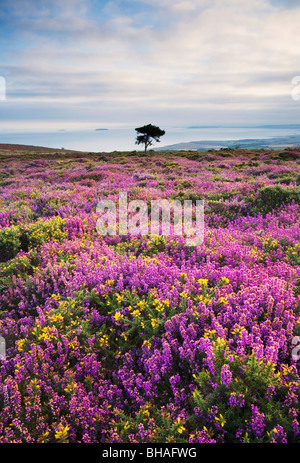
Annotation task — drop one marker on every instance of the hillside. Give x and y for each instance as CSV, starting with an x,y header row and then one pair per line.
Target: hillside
x,y
292,141
141,337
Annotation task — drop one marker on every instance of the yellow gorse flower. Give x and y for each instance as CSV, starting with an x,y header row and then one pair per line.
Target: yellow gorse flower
x,y
147,343
62,433
127,425
20,344
118,316
141,305
221,420
154,322
103,341
136,313
209,333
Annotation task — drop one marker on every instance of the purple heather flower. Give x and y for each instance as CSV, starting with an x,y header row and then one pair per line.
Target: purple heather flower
x,y
226,375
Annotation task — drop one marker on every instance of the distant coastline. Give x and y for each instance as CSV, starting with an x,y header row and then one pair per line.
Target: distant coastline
x,y
291,141
270,126
96,139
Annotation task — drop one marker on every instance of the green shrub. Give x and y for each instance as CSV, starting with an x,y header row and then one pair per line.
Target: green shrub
x,y
252,384
185,195
286,156
272,197
10,243
20,265
285,180
48,230
185,184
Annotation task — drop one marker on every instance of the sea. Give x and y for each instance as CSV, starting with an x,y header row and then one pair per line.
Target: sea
x,y
123,139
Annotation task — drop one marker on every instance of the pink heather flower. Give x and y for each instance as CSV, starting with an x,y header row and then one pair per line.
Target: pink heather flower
x,y
236,400
279,435
226,376
257,421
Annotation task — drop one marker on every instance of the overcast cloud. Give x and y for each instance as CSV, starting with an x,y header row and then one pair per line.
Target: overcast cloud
x,y
87,63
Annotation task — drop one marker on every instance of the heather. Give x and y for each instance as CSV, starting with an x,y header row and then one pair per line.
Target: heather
x,y
142,338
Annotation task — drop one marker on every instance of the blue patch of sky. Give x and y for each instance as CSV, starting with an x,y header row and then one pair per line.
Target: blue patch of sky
x,y
288,4
141,13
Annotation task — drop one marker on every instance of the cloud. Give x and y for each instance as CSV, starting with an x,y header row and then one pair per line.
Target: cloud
x,y
117,58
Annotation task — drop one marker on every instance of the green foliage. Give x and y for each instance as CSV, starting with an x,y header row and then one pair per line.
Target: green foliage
x,y
156,423
16,238
272,197
46,230
253,383
286,180
156,244
20,265
285,155
185,184
185,195
10,243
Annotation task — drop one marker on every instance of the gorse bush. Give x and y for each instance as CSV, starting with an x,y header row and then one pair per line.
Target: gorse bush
x,y
286,180
15,238
21,265
286,155
243,398
272,197
42,231
10,243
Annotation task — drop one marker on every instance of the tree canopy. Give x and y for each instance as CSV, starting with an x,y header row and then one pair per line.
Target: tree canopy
x,y
147,134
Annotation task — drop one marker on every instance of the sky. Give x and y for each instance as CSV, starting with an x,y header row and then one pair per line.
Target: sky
x,y
80,64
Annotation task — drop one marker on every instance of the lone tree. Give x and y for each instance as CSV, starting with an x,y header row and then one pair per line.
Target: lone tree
x,y
147,134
